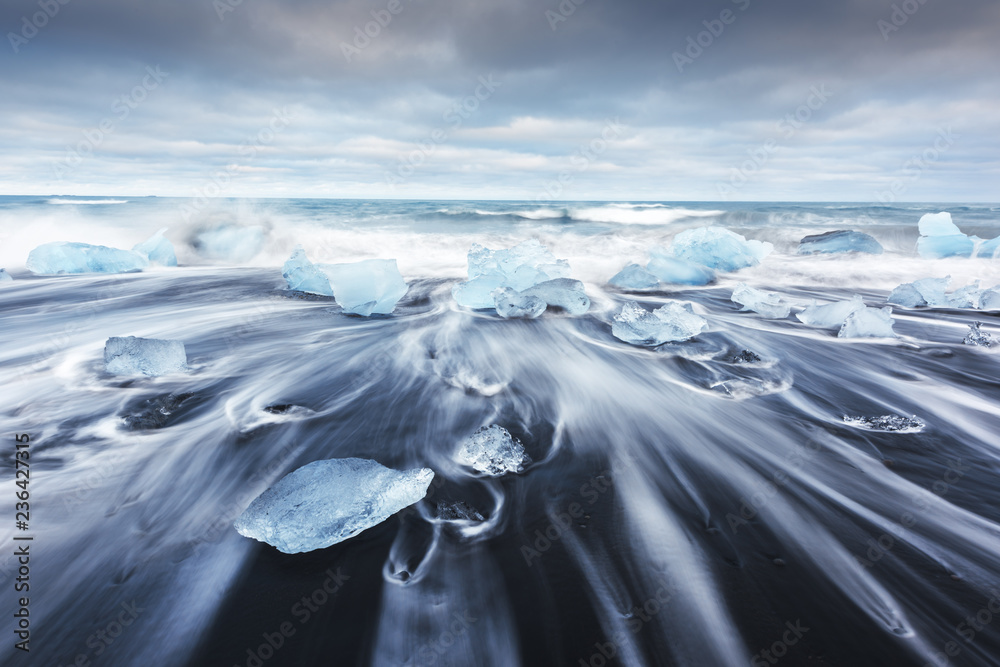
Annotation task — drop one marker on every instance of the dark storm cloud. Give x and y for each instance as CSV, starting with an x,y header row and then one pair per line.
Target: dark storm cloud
x,y
698,85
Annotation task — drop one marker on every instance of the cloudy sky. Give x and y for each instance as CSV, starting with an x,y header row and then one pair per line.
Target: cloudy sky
x,y
515,99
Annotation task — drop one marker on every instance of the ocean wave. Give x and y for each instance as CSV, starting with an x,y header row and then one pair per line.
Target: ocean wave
x,y
90,202
637,214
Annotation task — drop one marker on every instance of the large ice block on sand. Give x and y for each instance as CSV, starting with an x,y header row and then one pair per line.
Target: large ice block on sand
x,y
719,248
366,287
940,237
842,240
634,277
326,502
832,315
232,243
518,268
157,249
64,257
768,304
144,356
304,276
564,293
677,271
938,224
673,322
493,451
5,277
868,323
511,304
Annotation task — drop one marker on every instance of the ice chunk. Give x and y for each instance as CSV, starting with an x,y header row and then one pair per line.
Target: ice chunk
x,y
977,336
746,357
925,292
719,248
768,304
677,271
967,297
5,277
512,304
458,510
562,293
518,268
938,224
868,323
366,287
989,249
842,240
990,299
229,242
326,502
493,451
144,356
634,277
157,250
831,315
936,247
888,423
673,322
62,257
304,276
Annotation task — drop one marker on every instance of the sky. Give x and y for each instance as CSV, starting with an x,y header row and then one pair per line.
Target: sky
x,y
740,100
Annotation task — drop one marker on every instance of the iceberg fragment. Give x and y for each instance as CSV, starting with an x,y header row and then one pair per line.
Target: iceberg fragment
x,y
832,314
746,357
511,304
673,322
518,268
938,224
634,277
989,249
940,237
5,277
841,240
366,287
157,249
868,323
768,304
326,502
304,276
62,257
887,424
144,356
990,299
677,271
492,451
932,292
564,293
719,248
977,336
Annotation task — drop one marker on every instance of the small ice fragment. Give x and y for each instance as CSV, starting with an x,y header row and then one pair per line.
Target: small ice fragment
x,y
768,304
229,242
61,257
562,293
366,287
746,357
492,451
511,304
938,224
719,248
839,241
831,315
634,277
144,356
868,323
304,276
326,502
967,297
677,271
458,511
673,322
5,277
157,250
925,292
888,423
977,336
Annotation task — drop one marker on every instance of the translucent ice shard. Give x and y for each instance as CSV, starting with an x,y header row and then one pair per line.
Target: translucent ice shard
x,y
518,268
366,287
326,502
925,292
634,277
768,304
831,315
938,224
977,336
304,276
839,241
157,249
719,248
868,323
511,304
990,299
62,257
673,322
677,271
493,451
563,293
144,356
888,423
940,237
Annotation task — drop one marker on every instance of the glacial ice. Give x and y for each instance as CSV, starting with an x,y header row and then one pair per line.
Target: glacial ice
x,y
989,249
64,257
719,248
887,423
990,299
932,292
634,277
304,276
229,242
326,502
977,336
564,293
841,240
768,304
492,451
746,357
868,323
832,314
940,237
512,304
518,268
677,271
144,356
5,277
938,224
673,322
366,287
157,249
